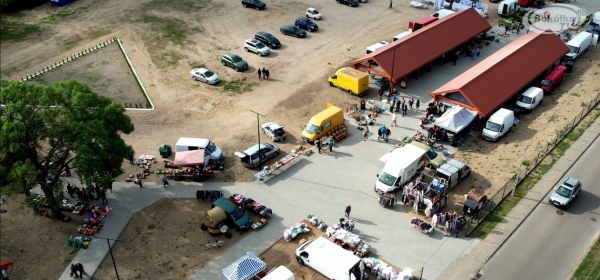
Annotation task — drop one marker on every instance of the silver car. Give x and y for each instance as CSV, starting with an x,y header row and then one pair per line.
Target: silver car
x,y
250,157
274,131
205,75
564,195
256,46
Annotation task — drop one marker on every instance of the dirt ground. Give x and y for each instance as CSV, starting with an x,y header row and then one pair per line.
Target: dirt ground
x,y
164,241
282,253
105,71
35,244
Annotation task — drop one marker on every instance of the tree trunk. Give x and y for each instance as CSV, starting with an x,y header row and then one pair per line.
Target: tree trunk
x,y
48,189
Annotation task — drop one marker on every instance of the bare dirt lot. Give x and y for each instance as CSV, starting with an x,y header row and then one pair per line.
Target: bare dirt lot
x,y
35,244
164,241
105,71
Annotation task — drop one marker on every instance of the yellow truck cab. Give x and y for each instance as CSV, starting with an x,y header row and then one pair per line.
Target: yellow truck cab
x,y
350,80
323,122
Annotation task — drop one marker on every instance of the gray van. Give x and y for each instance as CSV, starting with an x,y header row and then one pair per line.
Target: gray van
x,y
249,157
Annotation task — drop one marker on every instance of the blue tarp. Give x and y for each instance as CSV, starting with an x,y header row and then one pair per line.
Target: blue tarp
x,y
245,268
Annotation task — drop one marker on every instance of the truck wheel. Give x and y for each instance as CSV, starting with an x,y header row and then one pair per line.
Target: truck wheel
x,y
351,92
331,84
300,261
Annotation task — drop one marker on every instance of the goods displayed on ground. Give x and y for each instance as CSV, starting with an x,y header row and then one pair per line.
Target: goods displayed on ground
x,y
296,152
209,195
78,241
423,195
316,222
425,227
387,200
338,133
343,238
196,174
144,162
290,233
249,204
382,270
90,226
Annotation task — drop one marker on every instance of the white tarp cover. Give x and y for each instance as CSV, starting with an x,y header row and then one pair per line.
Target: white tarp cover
x,y
456,119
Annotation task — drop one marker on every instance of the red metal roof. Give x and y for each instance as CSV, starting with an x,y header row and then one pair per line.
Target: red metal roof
x,y
426,44
490,83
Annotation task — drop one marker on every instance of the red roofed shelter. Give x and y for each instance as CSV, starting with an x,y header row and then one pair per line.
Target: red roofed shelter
x,y
402,57
493,81
4,265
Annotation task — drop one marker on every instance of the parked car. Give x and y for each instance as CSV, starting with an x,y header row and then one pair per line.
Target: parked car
x,y
564,195
268,39
274,131
205,75
236,217
250,157
306,24
351,3
313,13
257,4
234,61
292,30
253,45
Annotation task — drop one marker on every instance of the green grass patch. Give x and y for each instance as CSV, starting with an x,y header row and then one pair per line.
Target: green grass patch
x,y
10,31
56,17
195,65
239,86
590,265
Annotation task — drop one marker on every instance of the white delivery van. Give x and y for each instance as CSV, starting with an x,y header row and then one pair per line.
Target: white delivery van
x,y
189,144
401,35
280,273
507,6
401,166
375,47
578,45
443,13
330,260
530,98
498,124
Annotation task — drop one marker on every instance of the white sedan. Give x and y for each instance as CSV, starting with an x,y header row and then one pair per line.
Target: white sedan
x,y
313,13
205,75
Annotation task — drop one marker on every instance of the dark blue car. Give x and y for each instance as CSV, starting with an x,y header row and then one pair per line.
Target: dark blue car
x,y
306,24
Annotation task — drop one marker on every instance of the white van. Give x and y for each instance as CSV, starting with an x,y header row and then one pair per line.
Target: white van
x,y
443,13
375,47
401,35
498,124
189,144
402,164
530,98
330,260
507,6
578,45
280,273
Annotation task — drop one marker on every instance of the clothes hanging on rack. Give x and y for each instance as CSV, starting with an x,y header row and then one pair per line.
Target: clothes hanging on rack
x,y
387,200
209,195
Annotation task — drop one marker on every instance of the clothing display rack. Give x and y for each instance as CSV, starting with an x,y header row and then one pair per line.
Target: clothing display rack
x,y
449,220
387,200
209,195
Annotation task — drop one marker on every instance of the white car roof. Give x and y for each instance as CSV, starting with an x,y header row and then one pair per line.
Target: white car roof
x,y
254,41
272,125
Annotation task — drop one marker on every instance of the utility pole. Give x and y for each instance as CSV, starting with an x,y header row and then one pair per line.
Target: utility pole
x,y
519,171
111,254
258,115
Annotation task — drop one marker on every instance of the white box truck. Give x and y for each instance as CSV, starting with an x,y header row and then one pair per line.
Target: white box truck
x,y
212,152
578,45
330,260
530,99
402,164
498,124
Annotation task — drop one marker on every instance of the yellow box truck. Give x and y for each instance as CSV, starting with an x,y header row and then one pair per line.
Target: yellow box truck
x,y
350,80
323,122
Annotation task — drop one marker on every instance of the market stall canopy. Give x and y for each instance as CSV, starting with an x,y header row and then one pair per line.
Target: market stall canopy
x,y
456,119
490,83
245,268
5,264
408,54
189,158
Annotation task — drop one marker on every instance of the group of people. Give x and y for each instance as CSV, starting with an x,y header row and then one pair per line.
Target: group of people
x,y
86,195
76,269
402,105
264,72
319,143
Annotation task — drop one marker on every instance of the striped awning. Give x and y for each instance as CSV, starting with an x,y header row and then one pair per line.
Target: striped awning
x,y
245,268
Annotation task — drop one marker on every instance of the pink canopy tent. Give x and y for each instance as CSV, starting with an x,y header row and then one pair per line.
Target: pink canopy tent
x,y
189,158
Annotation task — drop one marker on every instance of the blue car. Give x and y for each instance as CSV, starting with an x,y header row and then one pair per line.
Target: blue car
x,y
306,24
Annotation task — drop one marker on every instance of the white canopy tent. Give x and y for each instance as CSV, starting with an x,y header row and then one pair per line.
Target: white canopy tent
x,y
456,119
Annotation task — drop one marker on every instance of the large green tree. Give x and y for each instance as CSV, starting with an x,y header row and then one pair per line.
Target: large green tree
x,y
43,130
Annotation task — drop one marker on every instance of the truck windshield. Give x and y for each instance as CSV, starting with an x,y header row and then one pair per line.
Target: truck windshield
x,y
387,179
211,147
573,49
312,128
431,154
492,126
546,83
525,99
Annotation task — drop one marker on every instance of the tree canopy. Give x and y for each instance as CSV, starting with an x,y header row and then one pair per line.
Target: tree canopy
x,y
43,130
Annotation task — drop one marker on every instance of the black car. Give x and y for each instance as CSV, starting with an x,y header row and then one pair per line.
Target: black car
x,y
292,30
257,4
267,39
351,3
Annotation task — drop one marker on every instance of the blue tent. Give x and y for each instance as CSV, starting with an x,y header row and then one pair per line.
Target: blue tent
x,y
245,268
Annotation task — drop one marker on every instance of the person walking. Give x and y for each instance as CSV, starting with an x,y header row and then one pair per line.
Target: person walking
x,y
505,29
67,170
78,193
394,120
527,28
79,267
417,105
350,225
379,133
139,177
468,52
391,2
347,212
259,73
84,195
268,74
387,134
398,103
410,102
103,196
70,190
97,192
519,28
165,181
330,144
366,133
479,50
110,185
391,105
74,271
318,144
383,129
264,72
404,109
473,53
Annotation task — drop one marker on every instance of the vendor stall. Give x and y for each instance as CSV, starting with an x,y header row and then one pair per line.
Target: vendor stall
x,y
244,268
286,160
424,197
189,158
456,119
249,204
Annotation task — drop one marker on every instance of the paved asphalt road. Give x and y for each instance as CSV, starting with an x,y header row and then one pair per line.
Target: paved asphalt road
x,y
549,245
